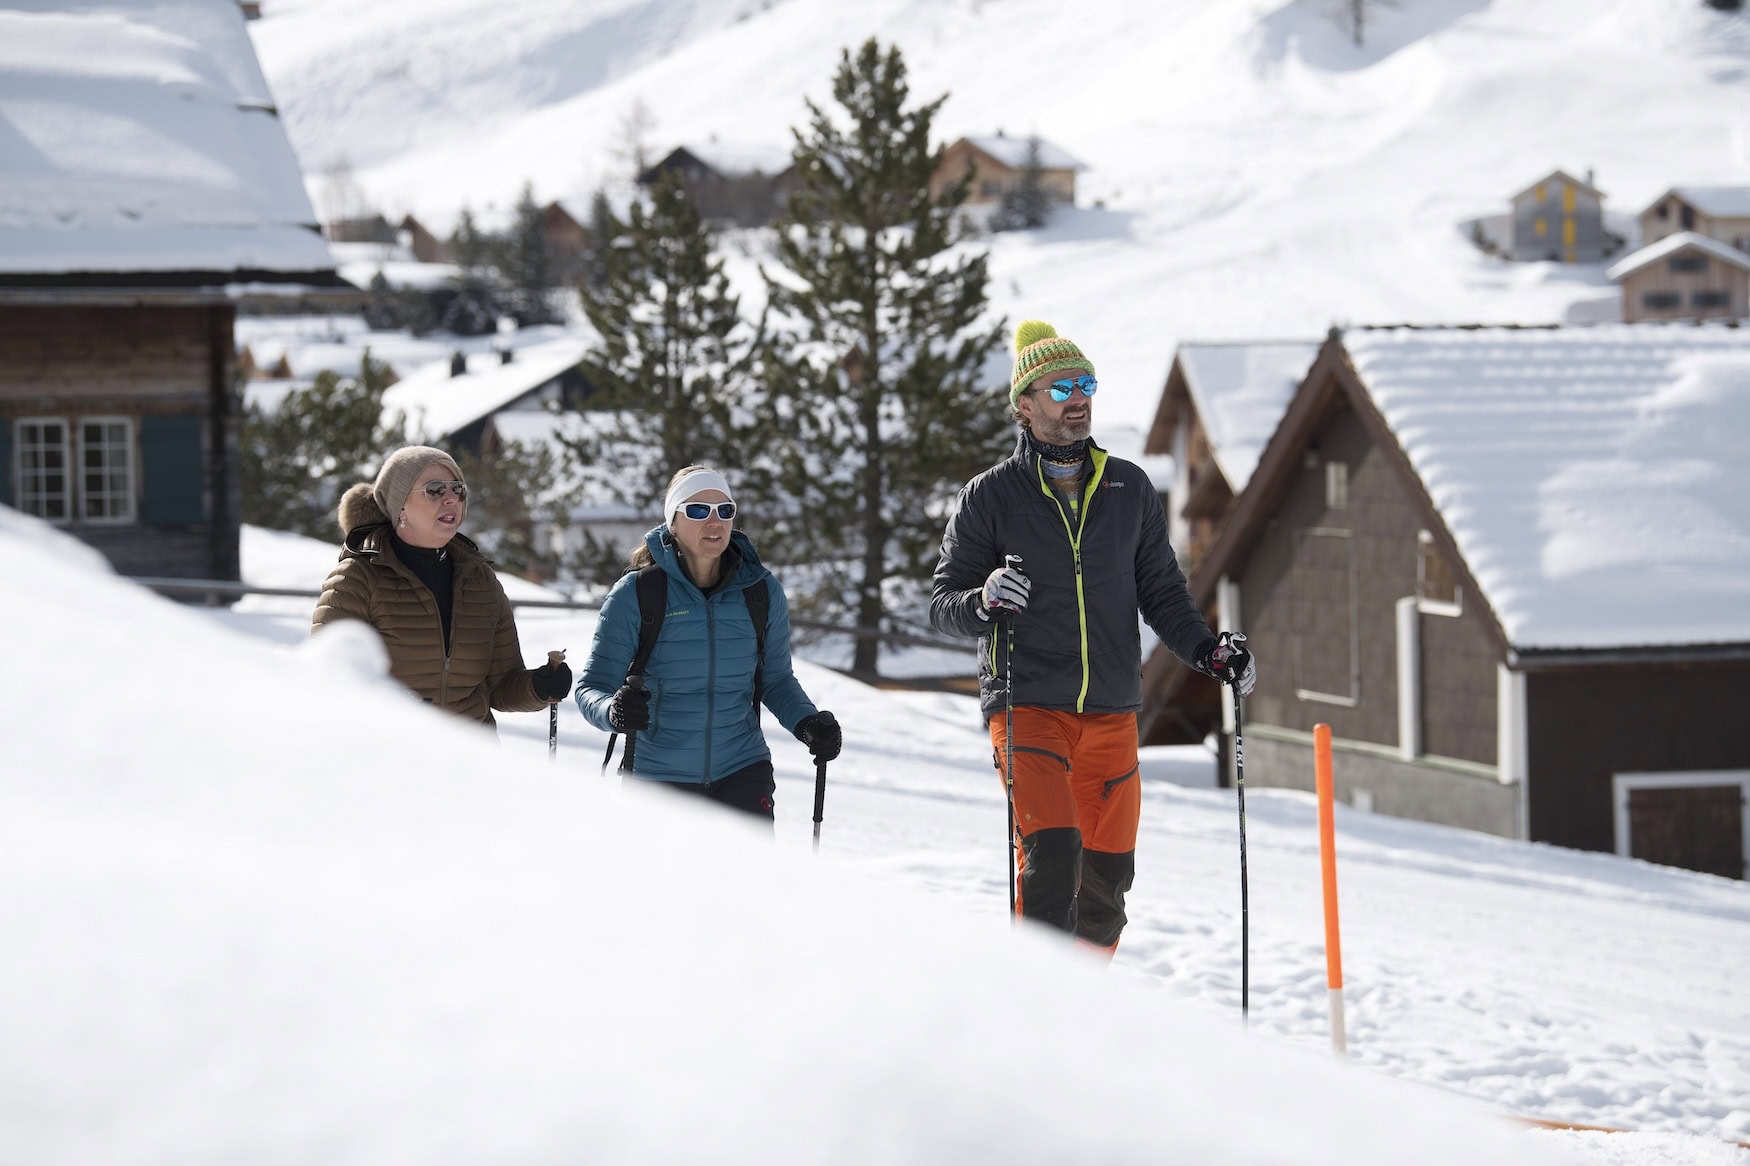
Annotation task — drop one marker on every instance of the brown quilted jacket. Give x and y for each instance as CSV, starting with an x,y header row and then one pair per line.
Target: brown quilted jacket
x,y
484,670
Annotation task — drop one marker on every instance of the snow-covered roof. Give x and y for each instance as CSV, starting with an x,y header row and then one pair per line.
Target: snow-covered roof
x,y
1720,202
1012,152
735,159
1240,391
141,137
1593,478
437,404
1670,244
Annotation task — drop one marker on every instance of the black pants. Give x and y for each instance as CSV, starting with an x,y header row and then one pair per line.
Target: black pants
x,y
749,790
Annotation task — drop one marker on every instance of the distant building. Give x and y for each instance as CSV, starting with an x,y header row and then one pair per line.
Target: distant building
x,y
1559,219
742,186
369,229
420,242
1719,212
120,279
1685,276
1219,406
997,164
451,402
1508,568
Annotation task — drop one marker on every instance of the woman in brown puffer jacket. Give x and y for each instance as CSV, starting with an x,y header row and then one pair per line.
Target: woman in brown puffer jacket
x,y
430,594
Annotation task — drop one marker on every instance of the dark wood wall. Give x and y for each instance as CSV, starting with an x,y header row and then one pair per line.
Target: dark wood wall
x,y
171,369
1589,724
1318,598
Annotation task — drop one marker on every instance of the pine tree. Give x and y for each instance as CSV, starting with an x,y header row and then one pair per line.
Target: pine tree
x,y
476,306
527,264
669,361
515,491
299,457
1027,204
880,403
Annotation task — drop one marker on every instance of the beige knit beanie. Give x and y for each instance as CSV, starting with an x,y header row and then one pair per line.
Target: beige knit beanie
x,y
401,472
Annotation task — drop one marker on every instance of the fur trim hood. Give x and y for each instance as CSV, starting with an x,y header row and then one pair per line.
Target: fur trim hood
x,y
358,508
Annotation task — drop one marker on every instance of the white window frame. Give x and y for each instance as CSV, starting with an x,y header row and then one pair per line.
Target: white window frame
x,y
1622,783
126,511
1424,547
26,492
1336,485
124,501
1353,698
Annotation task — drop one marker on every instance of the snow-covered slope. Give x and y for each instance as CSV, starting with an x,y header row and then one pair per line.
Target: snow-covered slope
x,y
1257,174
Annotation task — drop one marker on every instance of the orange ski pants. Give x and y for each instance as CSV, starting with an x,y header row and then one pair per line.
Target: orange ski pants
x,y
1077,799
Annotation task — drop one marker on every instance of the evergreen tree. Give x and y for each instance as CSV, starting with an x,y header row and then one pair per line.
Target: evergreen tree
x,y
517,491
879,398
476,306
299,457
1027,204
527,264
669,361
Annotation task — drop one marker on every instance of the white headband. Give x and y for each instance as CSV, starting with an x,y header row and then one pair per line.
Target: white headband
x,y
696,482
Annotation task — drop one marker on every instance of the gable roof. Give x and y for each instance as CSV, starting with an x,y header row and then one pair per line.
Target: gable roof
x,y
141,138
1720,202
437,404
1565,177
1590,480
1012,152
1240,391
1681,241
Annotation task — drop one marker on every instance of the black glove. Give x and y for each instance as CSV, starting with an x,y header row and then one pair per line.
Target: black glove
x,y
1229,661
630,711
820,732
552,681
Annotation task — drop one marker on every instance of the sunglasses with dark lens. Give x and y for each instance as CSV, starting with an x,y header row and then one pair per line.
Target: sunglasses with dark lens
x,y
1064,390
700,511
435,490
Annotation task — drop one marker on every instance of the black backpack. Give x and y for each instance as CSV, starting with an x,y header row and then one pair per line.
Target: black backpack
x,y
653,609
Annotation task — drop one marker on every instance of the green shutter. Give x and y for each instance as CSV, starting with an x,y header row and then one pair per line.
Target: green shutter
x,y
171,470
5,462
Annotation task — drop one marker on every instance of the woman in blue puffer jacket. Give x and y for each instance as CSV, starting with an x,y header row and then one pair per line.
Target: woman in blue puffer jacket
x,y
692,719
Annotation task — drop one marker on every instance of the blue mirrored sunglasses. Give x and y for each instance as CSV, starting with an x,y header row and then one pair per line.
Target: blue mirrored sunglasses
x,y
700,511
1064,390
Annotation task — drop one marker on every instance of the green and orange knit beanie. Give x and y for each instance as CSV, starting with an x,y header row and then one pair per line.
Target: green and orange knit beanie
x,y
1039,350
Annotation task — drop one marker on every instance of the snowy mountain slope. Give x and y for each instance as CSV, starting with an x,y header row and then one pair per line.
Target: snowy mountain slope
x,y
1258,175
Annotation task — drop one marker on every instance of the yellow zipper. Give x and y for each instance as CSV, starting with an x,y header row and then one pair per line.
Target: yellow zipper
x,y
1075,545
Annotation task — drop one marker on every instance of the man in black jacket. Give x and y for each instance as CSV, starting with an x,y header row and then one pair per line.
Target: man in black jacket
x,y
1092,543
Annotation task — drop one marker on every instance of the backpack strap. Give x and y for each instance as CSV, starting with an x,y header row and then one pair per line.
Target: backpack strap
x,y
758,605
652,608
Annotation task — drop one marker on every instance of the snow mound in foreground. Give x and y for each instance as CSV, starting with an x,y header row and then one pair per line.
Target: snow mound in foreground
x,y
259,907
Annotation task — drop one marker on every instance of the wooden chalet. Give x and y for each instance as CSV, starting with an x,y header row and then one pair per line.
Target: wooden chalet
x,y
1685,276
997,164
1559,218
1719,212
1219,406
420,242
740,186
1509,568
120,278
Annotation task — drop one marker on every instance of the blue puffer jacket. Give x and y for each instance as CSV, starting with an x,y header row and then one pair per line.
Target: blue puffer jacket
x,y
703,726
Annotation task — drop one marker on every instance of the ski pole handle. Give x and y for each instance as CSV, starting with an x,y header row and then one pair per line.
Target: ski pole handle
x,y
556,658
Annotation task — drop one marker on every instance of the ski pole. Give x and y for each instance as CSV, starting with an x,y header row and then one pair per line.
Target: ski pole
x,y
1012,561
1240,788
819,800
554,659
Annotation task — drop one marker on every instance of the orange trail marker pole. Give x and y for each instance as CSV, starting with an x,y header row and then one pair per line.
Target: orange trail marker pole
x,y
1328,869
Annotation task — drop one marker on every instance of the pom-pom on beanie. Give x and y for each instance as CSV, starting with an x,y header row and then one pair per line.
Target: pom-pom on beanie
x,y
400,473
1039,350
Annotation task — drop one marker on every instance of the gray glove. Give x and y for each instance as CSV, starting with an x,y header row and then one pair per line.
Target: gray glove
x,y
1006,589
1230,662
